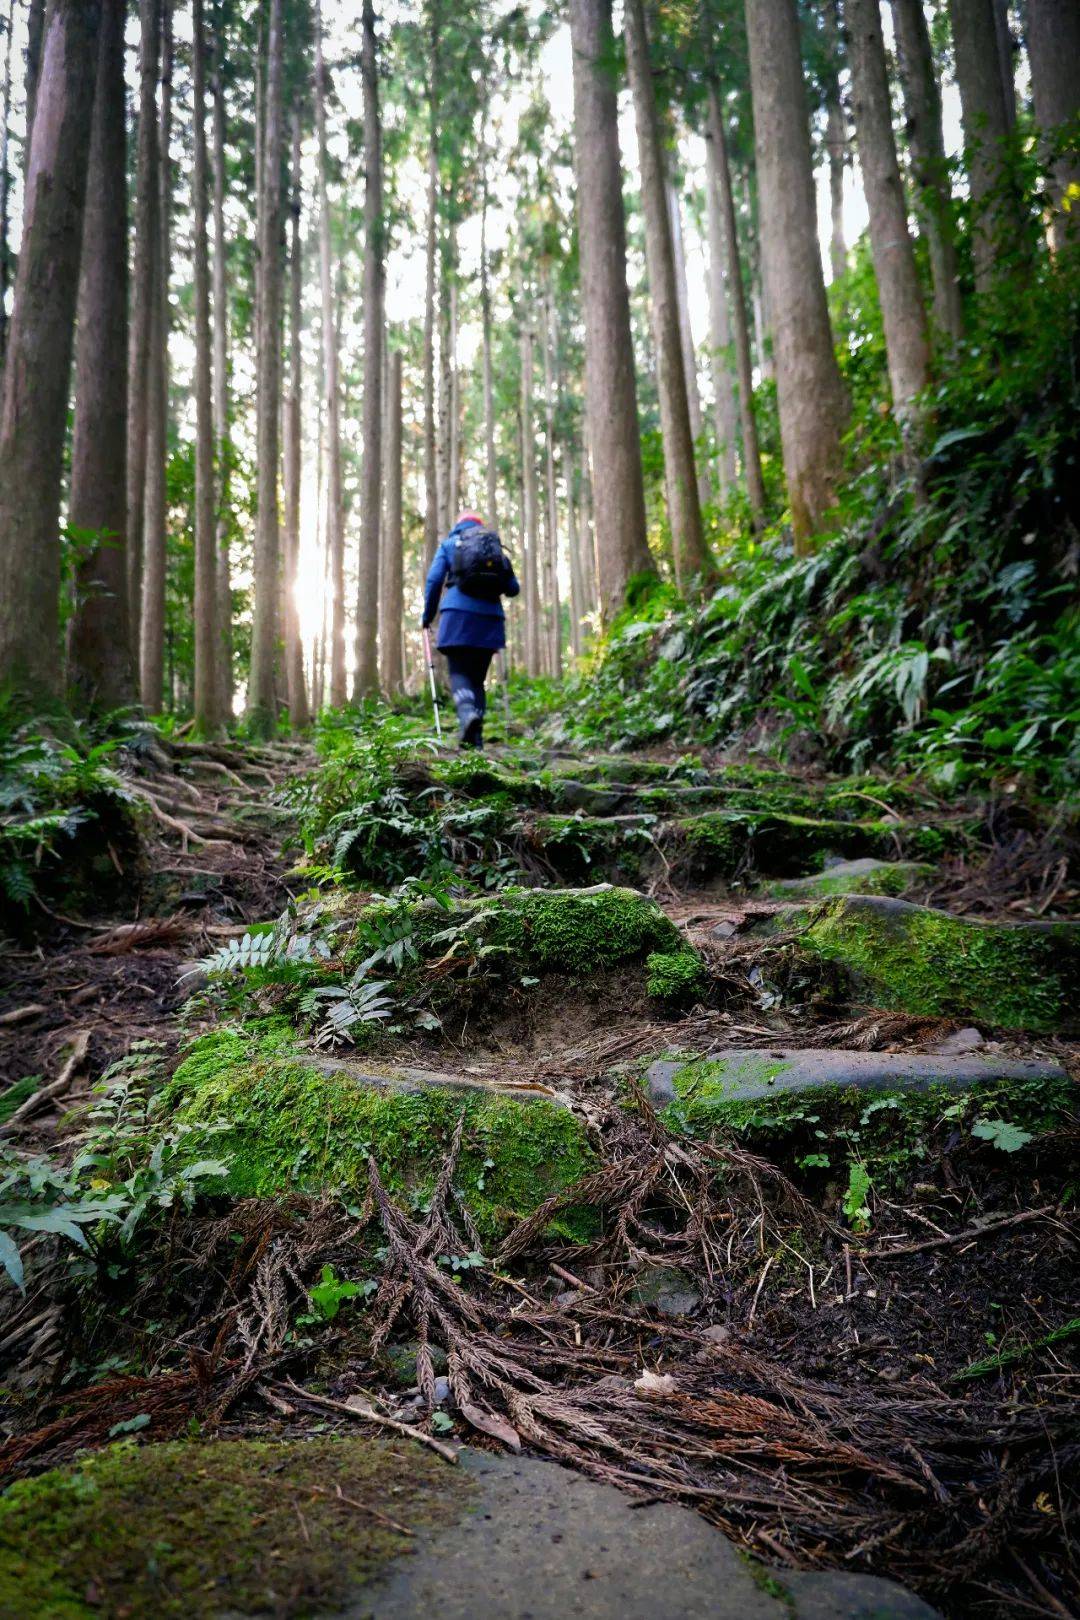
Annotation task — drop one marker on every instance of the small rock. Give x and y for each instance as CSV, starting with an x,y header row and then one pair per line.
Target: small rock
x,y
442,1391
651,1383
724,930
961,1040
669,1291
402,1359
716,1333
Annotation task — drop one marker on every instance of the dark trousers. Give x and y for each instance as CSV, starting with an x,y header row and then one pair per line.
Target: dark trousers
x,y
468,667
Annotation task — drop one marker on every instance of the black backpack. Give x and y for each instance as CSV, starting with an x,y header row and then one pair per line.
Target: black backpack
x,y
481,567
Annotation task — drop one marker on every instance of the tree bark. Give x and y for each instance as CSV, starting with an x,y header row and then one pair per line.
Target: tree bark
x,y
33,417
551,526
680,474
35,34
144,277
610,386
686,336
431,490
296,686
723,380
492,514
261,712
5,181
101,673
222,448
531,525
836,140
367,606
986,128
751,453
335,500
446,390
930,169
1006,52
1053,38
391,573
208,715
812,401
577,579
152,624
907,342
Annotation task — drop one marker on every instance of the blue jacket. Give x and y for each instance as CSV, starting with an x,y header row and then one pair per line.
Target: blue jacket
x,y
464,621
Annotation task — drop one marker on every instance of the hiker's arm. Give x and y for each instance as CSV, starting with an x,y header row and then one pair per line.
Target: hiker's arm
x,y
513,588
433,589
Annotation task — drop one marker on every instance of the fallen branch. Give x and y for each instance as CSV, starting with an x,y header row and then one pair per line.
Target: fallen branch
x,y
55,1087
969,1234
20,1015
357,1408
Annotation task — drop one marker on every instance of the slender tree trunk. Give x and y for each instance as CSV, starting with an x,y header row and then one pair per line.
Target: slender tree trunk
x,y
367,605
1053,38
836,140
446,389
294,650
930,168
577,582
262,717
391,574
335,500
907,342
588,537
33,417
813,405
431,490
1005,49
686,336
725,410
5,182
35,34
492,514
454,484
144,279
223,616
551,526
101,674
755,483
986,128
610,385
531,526
680,474
209,715
155,503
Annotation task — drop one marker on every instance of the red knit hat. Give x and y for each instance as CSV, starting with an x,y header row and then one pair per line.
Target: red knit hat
x,y
469,517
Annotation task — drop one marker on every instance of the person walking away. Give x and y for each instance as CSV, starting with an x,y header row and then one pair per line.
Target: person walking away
x,y
476,573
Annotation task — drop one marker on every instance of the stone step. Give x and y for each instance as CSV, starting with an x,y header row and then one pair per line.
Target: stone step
x,y
863,876
751,1074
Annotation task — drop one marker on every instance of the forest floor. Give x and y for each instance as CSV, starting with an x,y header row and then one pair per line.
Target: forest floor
x,y
729,1162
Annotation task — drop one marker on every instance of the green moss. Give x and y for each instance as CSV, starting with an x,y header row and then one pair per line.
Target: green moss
x,y
291,1125
922,961
889,878
580,933
215,1529
676,976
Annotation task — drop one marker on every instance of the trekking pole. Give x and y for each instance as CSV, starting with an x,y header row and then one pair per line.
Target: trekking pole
x,y
434,692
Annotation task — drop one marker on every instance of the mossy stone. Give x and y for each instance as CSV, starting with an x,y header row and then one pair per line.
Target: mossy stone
x,y
865,876
587,932
676,976
215,1528
290,1125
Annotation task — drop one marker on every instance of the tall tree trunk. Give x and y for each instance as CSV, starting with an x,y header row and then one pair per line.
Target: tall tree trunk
x,y
577,581
813,404
294,650
446,390
221,383
209,714
101,673
986,128
33,417
588,537
391,573
680,474
551,524
1006,52
723,380
35,34
751,454
5,180
907,343
431,475
262,717
155,500
335,499
492,514
686,337
367,605
836,140
1053,38
531,526
454,484
930,168
610,386
144,280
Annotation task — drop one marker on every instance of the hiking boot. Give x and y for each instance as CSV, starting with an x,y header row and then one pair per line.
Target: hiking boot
x,y
472,735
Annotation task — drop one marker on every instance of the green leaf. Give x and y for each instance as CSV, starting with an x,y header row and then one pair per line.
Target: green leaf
x,y
1001,1133
11,1260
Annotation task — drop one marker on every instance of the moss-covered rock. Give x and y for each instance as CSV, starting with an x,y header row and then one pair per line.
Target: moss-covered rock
x,y
216,1528
722,842
559,931
918,960
676,976
291,1124
865,876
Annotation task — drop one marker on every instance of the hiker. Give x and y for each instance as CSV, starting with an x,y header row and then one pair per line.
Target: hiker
x,y
472,625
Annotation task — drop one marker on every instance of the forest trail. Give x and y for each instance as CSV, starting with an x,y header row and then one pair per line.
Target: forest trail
x,y
718,1152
